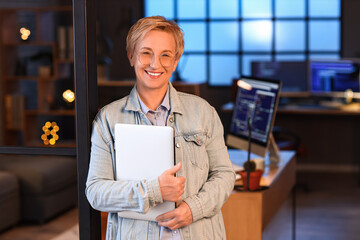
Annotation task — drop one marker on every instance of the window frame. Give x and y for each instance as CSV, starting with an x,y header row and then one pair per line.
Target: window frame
x,y
240,53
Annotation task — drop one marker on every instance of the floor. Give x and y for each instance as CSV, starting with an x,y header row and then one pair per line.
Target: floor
x,y
328,215
323,213
328,207
52,230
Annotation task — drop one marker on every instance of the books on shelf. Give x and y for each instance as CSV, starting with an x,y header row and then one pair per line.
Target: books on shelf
x,y
70,42
14,108
65,42
62,42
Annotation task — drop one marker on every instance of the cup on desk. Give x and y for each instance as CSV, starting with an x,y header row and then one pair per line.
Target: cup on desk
x,y
260,163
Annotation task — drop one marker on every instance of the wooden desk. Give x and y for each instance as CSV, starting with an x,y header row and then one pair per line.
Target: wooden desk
x,y
248,214
329,140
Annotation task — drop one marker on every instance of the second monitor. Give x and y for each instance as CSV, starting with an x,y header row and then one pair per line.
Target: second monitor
x,y
333,78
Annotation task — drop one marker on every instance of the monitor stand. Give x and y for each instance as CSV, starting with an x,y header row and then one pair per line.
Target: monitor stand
x,y
274,153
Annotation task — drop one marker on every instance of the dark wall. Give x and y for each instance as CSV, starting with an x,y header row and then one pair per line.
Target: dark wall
x,y
351,28
115,17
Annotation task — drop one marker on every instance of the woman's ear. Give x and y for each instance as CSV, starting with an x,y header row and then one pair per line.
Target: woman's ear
x,y
131,60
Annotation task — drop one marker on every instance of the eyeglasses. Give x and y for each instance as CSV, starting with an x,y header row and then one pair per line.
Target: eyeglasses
x,y
166,60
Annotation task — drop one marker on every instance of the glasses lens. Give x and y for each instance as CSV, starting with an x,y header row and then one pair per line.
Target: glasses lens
x,y
147,57
166,60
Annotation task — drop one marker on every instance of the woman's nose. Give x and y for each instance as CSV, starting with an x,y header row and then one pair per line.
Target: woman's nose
x,y
155,61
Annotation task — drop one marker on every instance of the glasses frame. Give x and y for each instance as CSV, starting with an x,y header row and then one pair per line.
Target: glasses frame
x,y
173,59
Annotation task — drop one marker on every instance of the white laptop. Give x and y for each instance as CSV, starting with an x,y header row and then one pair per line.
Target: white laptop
x,y
144,152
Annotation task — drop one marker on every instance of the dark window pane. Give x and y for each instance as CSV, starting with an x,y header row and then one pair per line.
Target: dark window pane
x,y
224,36
324,8
247,59
223,68
224,9
191,9
324,56
324,36
256,9
290,36
256,35
286,8
290,57
192,68
194,34
159,7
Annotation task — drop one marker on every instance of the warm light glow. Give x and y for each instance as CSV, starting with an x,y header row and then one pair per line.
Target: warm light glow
x,y
50,129
244,85
47,124
52,141
25,33
69,96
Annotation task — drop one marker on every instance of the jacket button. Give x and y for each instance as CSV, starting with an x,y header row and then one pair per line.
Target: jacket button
x,y
171,120
178,145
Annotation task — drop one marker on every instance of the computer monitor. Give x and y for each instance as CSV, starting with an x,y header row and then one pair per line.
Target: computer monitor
x,y
333,78
258,99
292,74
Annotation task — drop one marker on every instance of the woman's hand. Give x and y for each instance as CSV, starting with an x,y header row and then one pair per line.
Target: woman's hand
x,y
172,187
177,218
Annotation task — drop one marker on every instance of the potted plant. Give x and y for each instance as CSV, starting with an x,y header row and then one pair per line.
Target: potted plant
x,y
251,176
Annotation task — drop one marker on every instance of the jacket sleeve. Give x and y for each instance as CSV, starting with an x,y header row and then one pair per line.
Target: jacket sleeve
x,y
106,194
221,178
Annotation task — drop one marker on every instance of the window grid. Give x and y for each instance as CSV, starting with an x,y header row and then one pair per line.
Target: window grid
x,y
240,52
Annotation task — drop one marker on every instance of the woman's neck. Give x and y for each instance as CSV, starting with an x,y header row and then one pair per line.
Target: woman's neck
x,y
152,98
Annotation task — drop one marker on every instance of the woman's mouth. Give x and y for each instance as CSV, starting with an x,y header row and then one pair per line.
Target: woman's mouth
x,y
154,74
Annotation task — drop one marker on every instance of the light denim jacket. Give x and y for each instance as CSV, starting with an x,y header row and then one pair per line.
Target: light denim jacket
x,y
200,147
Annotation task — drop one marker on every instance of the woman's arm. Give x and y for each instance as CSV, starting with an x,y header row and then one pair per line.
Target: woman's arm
x,y
106,194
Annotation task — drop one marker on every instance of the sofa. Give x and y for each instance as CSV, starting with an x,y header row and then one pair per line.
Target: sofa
x,y
47,184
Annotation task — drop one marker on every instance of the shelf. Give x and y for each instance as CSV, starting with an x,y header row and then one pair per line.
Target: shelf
x,y
36,44
39,88
60,112
10,129
30,78
59,143
116,83
39,9
64,61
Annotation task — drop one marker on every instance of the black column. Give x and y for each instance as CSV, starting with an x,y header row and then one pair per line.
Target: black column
x,y
84,15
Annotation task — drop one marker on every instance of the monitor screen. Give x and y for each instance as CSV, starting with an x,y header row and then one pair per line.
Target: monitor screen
x,y
292,74
256,99
327,77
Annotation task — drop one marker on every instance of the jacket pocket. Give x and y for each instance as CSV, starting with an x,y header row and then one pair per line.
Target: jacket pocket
x,y
196,146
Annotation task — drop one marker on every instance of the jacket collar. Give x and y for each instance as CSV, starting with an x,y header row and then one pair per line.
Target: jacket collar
x,y
132,103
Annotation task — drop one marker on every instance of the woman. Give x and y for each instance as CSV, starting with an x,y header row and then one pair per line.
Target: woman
x,y
204,175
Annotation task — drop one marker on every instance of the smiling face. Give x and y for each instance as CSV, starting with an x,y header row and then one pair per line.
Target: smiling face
x,y
153,75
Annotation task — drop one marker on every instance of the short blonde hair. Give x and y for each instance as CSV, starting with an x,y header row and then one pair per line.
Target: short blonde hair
x,y
145,25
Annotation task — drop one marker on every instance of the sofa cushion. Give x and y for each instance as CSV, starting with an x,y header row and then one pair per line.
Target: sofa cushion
x,y
9,186
40,174
9,200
